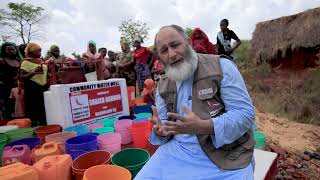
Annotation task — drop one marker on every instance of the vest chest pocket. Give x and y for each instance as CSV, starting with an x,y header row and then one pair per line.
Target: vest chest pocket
x,y
209,103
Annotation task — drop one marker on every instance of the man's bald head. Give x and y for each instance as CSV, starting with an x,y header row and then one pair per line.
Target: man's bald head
x,y
177,28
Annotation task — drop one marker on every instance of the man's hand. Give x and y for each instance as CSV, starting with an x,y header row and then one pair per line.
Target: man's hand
x,y
157,124
190,124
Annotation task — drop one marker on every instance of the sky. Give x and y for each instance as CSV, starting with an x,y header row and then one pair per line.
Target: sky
x,y
72,23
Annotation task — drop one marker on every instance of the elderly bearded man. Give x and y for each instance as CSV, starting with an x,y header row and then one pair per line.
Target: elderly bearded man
x,y
203,117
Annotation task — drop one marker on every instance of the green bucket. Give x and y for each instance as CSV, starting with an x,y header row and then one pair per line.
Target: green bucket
x,y
104,130
143,115
132,159
260,139
20,133
3,142
109,122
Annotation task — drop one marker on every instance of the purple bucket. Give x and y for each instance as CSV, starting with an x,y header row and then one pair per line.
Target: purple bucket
x,y
31,142
79,145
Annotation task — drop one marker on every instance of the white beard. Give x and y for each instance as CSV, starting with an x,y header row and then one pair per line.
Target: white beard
x,y
185,69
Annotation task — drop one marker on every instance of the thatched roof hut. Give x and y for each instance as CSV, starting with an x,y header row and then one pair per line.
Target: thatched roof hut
x,y
290,41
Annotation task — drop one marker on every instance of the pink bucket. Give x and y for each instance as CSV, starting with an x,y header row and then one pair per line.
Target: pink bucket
x,y
94,126
110,142
122,127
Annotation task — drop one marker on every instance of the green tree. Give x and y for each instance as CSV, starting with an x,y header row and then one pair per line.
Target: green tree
x,y
188,31
22,20
76,56
130,28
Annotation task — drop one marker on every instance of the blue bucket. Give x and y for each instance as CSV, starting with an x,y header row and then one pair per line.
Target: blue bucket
x,y
127,117
141,119
31,142
93,134
79,145
142,109
78,129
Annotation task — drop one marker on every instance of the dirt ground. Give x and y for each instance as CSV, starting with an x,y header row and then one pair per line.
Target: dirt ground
x,y
297,145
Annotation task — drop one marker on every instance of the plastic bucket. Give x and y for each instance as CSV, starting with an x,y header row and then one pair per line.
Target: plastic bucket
x,y
109,122
21,123
110,142
31,142
260,139
143,115
132,159
104,130
93,134
3,141
127,117
20,133
142,109
60,138
140,133
122,127
100,172
87,160
79,145
43,131
139,100
141,119
4,129
78,129
94,126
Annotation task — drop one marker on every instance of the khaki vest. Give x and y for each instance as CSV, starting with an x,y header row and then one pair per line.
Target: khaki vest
x,y
206,103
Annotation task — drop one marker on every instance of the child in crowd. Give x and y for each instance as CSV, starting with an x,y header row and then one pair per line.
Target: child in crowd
x,y
148,92
17,95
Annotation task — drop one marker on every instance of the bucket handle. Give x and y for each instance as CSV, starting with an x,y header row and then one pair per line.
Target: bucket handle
x,y
49,145
18,148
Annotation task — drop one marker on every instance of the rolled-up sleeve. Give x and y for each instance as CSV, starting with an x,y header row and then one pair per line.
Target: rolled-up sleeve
x,y
240,113
162,113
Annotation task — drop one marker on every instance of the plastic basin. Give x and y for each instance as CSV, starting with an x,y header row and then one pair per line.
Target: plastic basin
x,y
100,172
31,142
79,145
132,159
87,160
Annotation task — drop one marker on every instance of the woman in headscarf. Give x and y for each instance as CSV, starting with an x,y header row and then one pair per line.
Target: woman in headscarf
x,y
125,64
200,42
34,73
93,55
103,52
9,65
141,56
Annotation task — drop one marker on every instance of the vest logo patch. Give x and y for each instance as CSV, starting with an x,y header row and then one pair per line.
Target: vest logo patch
x,y
205,91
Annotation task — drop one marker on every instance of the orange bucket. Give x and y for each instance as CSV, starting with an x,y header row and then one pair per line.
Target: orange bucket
x,y
21,123
139,100
110,172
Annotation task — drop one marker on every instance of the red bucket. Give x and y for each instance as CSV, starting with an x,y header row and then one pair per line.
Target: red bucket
x,y
43,131
140,134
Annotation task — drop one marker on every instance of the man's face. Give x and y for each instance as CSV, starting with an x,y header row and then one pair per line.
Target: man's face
x,y
223,26
171,46
111,55
56,52
103,52
11,51
175,52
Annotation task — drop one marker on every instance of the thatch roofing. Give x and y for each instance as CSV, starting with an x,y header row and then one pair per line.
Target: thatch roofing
x,y
285,33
